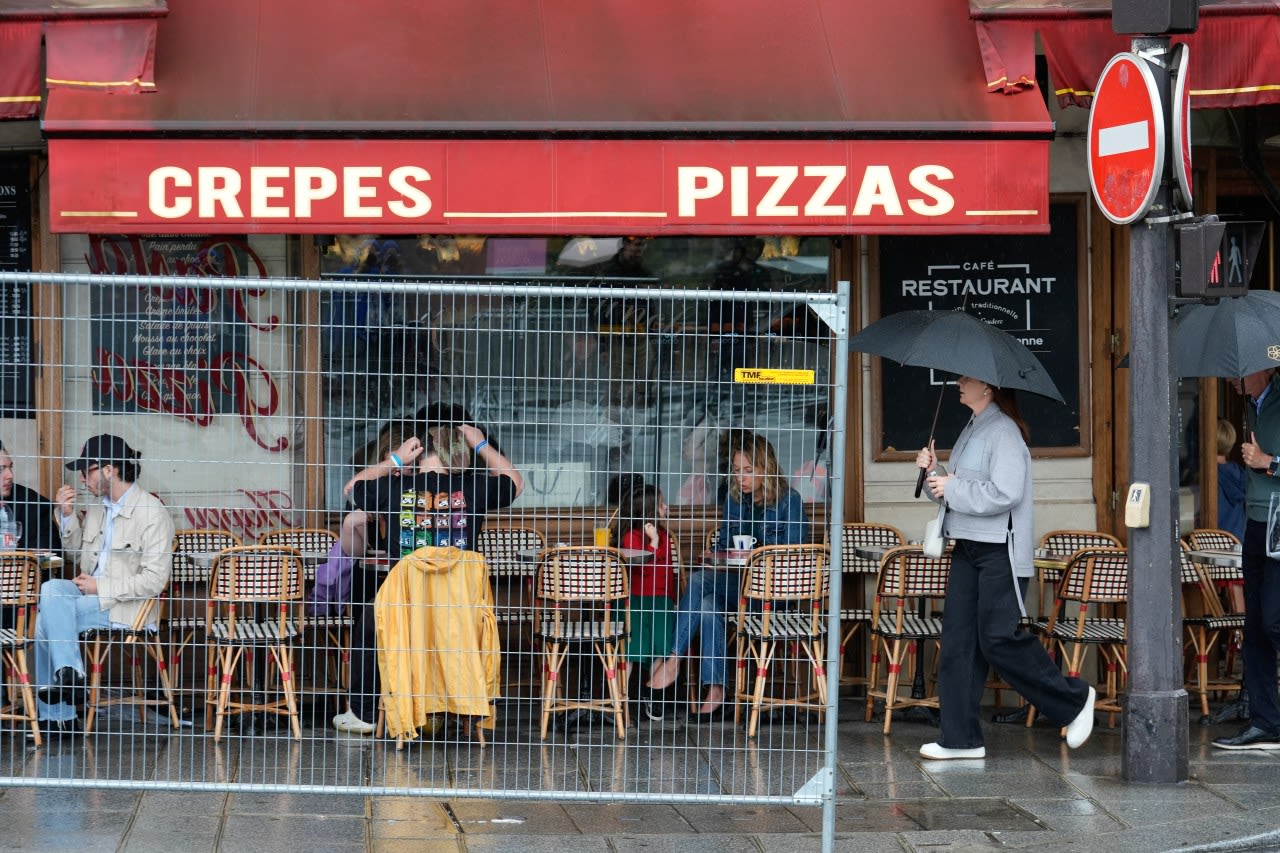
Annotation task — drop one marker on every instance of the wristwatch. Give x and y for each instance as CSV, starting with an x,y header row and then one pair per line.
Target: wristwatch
x,y
1274,466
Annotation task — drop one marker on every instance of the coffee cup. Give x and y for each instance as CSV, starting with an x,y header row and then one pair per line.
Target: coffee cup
x,y
743,542
604,537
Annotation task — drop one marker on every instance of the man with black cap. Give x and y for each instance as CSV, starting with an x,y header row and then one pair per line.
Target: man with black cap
x,y
124,550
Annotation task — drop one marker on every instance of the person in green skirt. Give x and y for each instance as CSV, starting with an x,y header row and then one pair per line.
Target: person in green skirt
x,y
641,512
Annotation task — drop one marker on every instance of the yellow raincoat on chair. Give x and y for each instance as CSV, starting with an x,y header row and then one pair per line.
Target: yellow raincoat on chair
x,y
437,639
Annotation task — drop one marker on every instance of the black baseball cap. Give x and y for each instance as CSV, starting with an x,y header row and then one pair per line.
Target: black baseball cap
x,y
102,450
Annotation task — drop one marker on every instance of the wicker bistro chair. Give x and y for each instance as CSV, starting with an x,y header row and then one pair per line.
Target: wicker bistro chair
x,y
1205,623
331,631
856,571
255,603
512,575
188,586
777,577
1213,539
1065,542
1095,577
909,587
20,590
583,602
143,637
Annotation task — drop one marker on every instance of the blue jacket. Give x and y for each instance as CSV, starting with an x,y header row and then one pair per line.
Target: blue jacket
x,y
784,523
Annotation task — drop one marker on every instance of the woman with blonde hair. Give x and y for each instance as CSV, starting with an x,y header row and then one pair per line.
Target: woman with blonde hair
x,y
761,504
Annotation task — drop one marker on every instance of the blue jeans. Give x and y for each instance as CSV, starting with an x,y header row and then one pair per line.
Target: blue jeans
x,y
701,610
64,612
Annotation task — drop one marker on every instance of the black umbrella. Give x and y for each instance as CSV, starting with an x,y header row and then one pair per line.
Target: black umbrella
x,y
1237,336
959,343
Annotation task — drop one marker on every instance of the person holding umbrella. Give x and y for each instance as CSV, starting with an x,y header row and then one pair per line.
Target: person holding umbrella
x,y
986,507
1261,572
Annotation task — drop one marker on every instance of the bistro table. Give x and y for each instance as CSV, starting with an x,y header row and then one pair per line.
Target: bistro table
x,y
1223,565
630,556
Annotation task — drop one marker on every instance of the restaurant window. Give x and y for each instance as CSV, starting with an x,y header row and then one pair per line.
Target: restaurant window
x,y
576,390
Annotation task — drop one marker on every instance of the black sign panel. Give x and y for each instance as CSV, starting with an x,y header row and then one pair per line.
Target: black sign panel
x,y
16,369
1025,284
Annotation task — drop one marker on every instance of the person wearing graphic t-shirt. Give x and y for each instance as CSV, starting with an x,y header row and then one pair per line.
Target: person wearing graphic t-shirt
x,y
439,469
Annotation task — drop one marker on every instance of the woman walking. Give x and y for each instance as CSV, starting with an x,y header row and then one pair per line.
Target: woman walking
x,y
986,506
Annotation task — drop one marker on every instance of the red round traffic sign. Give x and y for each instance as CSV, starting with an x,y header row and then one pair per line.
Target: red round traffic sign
x,y
1126,139
1182,124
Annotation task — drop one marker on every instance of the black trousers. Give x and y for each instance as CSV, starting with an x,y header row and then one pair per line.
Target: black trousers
x,y
1261,626
364,689
980,628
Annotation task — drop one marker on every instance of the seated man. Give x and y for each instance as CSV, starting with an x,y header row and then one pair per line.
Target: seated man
x,y
30,509
124,549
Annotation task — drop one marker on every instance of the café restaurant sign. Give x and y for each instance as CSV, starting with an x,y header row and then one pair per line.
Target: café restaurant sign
x,y
128,185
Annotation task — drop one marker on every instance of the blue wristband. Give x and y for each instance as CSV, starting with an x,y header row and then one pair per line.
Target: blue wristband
x,y
484,442
395,460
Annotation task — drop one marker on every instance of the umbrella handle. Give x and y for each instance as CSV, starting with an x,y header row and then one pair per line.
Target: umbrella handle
x,y
920,481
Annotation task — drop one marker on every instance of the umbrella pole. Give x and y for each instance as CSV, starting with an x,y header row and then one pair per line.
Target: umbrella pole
x,y
924,472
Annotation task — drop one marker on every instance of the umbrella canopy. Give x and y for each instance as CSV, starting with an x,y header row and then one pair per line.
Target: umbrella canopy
x,y
959,343
1238,336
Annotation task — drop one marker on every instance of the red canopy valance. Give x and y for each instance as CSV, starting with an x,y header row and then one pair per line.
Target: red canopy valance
x,y
1235,54
95,45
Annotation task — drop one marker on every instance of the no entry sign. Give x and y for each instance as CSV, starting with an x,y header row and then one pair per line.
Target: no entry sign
x,y
1126,139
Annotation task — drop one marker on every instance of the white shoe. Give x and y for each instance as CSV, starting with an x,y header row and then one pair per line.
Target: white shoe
x,y
1079,729
936,752
350,724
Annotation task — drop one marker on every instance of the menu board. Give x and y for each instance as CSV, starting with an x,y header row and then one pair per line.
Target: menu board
x,y
1026,284
16,369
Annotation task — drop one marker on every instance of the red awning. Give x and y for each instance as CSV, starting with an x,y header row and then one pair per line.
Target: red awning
x,y
811,67
885,92
1235,53
20,69
98,45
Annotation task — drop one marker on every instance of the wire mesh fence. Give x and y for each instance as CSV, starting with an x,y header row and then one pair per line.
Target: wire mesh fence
x,y
463,537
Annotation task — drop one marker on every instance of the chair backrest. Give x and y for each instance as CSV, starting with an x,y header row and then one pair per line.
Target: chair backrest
x,y
711,539
1070,541
786,573
20,588
862,533
1096,576
1198,586
1211,539
257,573
582,574
909,578
501,546
313,539
197,541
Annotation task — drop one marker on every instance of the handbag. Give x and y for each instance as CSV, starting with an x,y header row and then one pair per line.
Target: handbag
x,y
934,543
1273,527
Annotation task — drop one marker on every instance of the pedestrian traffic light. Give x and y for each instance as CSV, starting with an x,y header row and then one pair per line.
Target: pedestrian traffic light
x,y
1154,17
1216,258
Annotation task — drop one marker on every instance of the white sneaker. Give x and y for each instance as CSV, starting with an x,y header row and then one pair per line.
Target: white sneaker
x,y
350,724
936,752
1079,729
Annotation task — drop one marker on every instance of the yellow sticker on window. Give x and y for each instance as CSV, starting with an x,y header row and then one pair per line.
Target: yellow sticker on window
x,y
766,376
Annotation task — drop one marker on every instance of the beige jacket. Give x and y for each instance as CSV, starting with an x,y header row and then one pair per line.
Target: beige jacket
x,y
141,551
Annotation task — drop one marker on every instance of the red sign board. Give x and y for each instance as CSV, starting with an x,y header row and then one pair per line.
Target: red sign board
x,y
1182,124
131,186
1126,139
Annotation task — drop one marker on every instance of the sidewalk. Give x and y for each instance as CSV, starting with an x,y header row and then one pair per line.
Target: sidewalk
x,y
1030,793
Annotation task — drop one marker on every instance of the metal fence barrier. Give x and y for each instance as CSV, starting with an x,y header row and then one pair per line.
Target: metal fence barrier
x,y
254,402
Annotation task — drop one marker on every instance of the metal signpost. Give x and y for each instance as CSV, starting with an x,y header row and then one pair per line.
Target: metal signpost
x,y
1132,181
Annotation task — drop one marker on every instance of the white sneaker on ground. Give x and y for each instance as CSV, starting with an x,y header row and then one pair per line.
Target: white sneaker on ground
x,y
349,723
1079,729
936,752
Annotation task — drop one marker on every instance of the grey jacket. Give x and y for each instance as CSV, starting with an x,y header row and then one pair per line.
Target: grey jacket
x,y
991,470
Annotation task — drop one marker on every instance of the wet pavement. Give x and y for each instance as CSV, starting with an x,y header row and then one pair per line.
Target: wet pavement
x,y
1031,792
